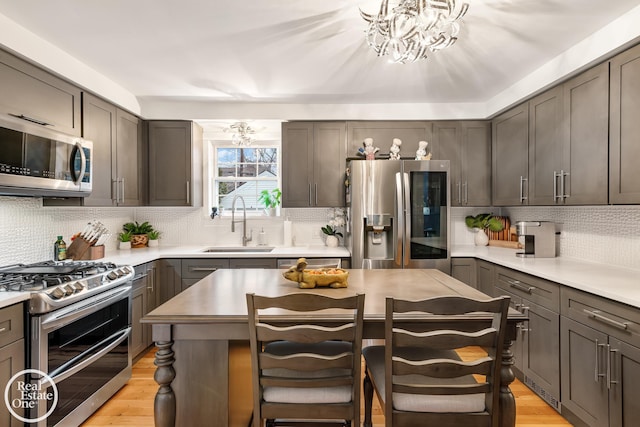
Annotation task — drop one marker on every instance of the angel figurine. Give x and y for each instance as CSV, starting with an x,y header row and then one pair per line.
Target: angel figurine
x,y
394,150
421,152
368,150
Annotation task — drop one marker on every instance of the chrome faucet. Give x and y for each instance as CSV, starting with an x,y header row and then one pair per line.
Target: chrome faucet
x,y
245,239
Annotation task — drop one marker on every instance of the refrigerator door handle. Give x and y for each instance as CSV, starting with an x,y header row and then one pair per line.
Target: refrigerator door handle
x,y
400,216
407,222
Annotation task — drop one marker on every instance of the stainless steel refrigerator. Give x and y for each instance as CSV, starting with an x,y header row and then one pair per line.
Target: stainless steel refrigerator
x,y
399,214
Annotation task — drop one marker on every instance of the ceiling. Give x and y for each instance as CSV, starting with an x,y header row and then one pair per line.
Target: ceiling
x,y
303,52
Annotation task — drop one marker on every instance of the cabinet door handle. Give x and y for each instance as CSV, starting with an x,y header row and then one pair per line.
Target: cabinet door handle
x,y
519,286
522,196
595,314
203,268
563,174
555,187
31,119
310,201
459,194
466,192
188,192
151,279
598,375
122,183
610,381
3,329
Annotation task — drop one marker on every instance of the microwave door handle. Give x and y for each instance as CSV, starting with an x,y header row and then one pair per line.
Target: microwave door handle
x,y
400,220
407,221
83,159
77,178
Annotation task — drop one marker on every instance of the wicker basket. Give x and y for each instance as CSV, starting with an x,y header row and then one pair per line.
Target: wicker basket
x,y
139,240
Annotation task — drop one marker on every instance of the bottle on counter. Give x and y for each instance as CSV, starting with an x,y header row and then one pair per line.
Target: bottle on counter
x,y
60,250
262,238
288,235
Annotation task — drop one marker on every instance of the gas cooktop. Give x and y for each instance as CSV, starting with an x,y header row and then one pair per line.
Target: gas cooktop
x,y
55,284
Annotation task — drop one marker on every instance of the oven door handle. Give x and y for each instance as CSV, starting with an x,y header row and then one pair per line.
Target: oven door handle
x,y
74,312
72,367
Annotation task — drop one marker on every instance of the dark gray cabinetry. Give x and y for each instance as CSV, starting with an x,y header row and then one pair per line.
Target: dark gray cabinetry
x,y
510,145
383,133
464,269
537,348
12,356
582,179
139,307
117,164
37,95
600,360
253,263
624,136
313,164
167,279
485,275
175,163
545,148
467,145
193,270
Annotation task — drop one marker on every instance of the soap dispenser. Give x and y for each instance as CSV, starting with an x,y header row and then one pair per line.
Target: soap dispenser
x,y
262,237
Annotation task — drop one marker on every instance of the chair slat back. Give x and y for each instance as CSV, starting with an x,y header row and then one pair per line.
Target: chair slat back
x,y
293,349
420,355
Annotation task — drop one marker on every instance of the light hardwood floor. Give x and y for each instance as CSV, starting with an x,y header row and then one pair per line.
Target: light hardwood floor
x,y
133,404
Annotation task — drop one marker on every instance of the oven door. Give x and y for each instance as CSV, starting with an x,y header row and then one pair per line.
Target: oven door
x,y
85,349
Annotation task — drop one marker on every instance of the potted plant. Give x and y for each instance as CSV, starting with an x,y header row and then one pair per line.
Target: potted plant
x,y
153,235
481,223
271,200
138,232
124,240
332,235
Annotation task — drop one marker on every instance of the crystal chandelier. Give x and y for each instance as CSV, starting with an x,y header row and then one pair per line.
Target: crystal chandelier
x,y
241,133
410,29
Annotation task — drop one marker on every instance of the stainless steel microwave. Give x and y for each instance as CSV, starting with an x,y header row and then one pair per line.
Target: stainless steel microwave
x,y
38,161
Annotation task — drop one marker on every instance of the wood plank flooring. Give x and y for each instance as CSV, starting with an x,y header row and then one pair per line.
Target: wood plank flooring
x,y
133,404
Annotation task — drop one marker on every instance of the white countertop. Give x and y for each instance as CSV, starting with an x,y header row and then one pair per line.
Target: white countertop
x,y
613,282
142,255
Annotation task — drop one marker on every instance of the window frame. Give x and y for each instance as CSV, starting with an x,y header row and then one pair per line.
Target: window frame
x,y
211,187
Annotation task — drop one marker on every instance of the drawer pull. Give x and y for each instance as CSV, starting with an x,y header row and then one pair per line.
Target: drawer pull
x,y
519,286
203,268
597,316
2,329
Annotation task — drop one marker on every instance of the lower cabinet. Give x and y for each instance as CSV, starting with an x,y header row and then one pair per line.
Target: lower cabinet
x,y
140,305
464,269
537,348
600,361
485,277
12,356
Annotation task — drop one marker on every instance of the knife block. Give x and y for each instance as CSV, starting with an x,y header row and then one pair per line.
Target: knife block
x,y
94,252
78,248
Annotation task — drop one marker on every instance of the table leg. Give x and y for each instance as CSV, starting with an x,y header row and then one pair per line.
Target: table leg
x,y
507,401
165,401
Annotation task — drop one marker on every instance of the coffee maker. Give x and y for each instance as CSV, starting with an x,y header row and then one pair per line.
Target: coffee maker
x,y
538,238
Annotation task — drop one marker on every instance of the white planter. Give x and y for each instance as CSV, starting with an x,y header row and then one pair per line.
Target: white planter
x,y
332,241
481,238
270,211
152,243
124,245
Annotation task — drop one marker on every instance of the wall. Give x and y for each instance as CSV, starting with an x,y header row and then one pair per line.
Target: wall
x,y
605,234
28,230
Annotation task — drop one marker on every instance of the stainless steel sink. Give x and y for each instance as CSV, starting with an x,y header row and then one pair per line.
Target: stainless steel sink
x,y
239,249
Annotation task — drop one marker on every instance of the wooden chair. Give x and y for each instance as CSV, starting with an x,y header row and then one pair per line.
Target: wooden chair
x,y
306,370
419,377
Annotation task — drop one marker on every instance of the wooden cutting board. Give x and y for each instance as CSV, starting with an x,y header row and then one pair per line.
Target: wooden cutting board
x,y
505,234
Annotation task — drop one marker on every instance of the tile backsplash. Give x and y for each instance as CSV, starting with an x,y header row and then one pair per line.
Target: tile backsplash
x,y
607,234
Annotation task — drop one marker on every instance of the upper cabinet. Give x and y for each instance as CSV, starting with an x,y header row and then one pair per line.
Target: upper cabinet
x,y
117,163
384,132
510,144
175,163
467,145
624,136
552,150
582,179
33,94
313,164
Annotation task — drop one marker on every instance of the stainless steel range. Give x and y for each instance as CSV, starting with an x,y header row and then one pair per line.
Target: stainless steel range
x,y
79,324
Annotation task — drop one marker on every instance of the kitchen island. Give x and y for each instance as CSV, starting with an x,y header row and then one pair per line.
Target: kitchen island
x,y
196,331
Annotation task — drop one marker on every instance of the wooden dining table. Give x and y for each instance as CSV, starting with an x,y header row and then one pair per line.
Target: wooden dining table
x,y
199,331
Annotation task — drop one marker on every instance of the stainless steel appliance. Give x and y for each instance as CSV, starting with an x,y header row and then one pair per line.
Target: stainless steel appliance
x,y
79,324
38,161
538,238
399,214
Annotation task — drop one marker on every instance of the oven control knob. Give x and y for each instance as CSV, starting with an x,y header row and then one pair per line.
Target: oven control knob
x,y
56,293
78,286
126,269
68,289
112,275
